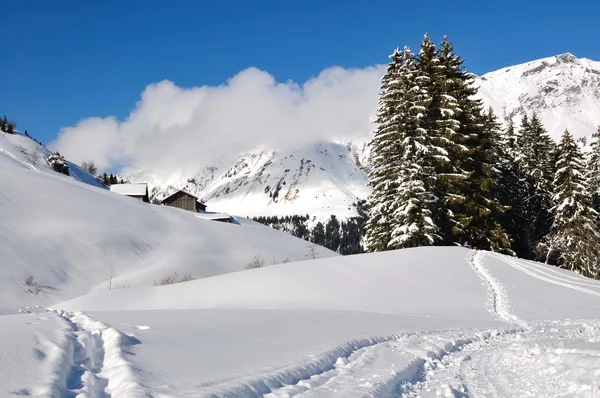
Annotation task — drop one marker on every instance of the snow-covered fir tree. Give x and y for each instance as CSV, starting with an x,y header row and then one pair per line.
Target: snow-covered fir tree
x,y
444,157
574,239
475,157
481,213
593,170
385,153
412,221
433,156
535,154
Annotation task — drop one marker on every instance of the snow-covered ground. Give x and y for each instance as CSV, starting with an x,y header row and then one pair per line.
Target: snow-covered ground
x,y
418,322
424,322
71,238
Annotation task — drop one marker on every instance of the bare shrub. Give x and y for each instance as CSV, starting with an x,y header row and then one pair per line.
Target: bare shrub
x,y
31,286
312,251
34,157
22,149
172,278
257,262
276,261
90,167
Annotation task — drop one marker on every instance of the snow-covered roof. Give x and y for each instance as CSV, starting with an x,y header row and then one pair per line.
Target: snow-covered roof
x,y
138,189
212,216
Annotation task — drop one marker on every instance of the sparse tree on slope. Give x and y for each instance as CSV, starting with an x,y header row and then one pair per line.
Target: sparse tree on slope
x,y
574,235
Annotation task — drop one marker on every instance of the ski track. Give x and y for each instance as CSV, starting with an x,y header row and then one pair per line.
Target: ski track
x,y
544,276
93,363
497,302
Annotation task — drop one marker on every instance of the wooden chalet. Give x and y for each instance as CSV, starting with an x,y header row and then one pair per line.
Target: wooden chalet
x,y
184,200
138,190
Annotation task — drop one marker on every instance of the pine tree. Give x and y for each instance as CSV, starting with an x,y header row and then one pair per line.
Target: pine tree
x,y
593,170
318,234
574,234
437,69
412,220
385,151
480,214
105,179
513,191
535,153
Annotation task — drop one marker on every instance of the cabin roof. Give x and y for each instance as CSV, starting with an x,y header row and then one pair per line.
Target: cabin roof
x,y
137,189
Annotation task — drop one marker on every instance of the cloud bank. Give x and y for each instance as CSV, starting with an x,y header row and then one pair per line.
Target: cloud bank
x,y
175,129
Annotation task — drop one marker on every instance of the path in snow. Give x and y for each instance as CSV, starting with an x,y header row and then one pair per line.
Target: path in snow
x,y
95,361
497,302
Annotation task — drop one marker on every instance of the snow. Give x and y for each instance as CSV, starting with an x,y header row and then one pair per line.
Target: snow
x,y
133,189
431,321
70,237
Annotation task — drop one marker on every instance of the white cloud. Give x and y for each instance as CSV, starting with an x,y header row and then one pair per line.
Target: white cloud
x,y
176,130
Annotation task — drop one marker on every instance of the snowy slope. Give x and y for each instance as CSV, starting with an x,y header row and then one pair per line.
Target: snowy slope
x,y
327,177
419,322
23,150
71,236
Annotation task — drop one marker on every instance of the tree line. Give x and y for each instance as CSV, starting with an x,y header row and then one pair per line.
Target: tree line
x,y
342,236
444,172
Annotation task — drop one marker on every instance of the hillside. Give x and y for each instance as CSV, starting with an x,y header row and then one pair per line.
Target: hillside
x,y
325,178
70,237
423,322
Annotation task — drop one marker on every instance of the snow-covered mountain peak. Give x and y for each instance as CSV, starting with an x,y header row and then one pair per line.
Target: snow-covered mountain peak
x,y
564,90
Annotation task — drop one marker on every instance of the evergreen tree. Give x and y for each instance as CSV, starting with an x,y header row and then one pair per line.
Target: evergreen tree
x,y
444,150
593,170
105,179
332,234
385,151
412,220
480,213
474,158
535,154
318,234
514,192
574,234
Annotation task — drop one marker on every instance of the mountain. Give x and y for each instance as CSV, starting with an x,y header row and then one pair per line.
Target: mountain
x,y
564,91
327,178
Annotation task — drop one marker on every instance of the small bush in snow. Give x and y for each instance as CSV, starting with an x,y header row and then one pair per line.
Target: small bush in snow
x,y
34,157
276,261
172,278
22,149
30,286
257,262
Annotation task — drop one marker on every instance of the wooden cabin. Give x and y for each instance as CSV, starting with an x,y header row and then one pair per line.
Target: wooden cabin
x,y
138,190
184,200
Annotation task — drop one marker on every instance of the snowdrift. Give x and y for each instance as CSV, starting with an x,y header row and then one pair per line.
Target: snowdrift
x,y
68,237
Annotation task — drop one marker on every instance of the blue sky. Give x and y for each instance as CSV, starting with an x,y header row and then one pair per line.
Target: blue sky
x,y
64,61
